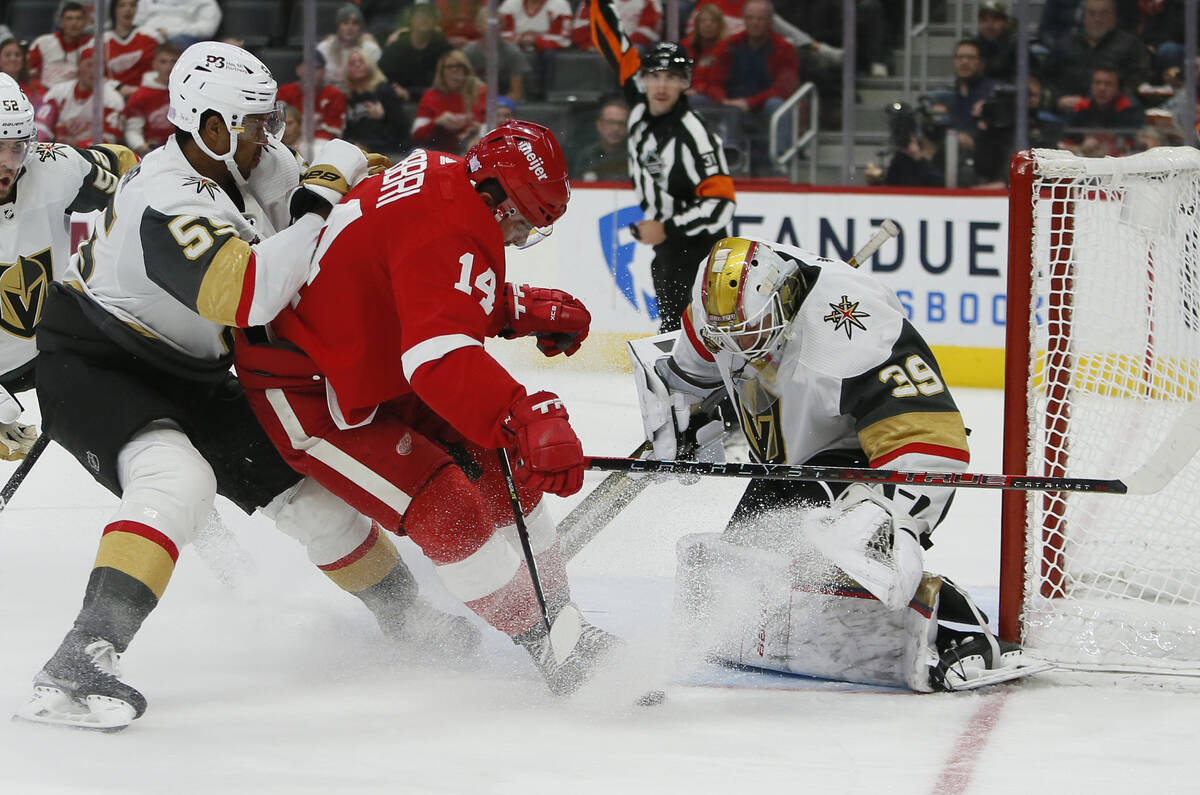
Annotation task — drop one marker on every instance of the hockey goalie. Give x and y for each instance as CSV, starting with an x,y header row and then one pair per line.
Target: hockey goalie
x,y
817,364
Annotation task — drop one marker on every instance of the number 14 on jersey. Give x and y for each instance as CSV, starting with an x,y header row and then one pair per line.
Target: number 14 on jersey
x,y
485,282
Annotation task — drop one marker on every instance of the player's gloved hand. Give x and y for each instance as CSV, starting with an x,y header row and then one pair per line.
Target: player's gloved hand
x,y
874,541
557,319
15,440
549,454
340,166
377,163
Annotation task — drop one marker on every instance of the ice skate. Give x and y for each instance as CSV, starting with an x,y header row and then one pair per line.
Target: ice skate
x,y
975,659
79,688
421,626
568,655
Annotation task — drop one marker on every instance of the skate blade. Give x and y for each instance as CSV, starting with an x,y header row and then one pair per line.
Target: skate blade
x,y
1006,674
52,707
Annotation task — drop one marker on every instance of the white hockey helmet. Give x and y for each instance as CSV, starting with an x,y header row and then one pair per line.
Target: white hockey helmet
x,y
18,133
750,295
213,75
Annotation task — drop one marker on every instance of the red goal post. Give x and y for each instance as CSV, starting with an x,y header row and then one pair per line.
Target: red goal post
x,y
1103,356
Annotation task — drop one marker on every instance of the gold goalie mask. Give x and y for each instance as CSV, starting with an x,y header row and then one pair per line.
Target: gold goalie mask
x,y
750,295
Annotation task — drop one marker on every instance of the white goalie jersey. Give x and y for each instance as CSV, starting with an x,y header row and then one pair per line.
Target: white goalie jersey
x,y
35,237
851,374
177,261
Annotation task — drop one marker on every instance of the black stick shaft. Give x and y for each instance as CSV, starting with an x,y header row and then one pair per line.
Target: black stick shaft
x,y
969,480
18,476
523,533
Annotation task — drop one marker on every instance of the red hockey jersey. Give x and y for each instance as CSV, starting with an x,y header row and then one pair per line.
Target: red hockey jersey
x,y
125,60
150,103
330,107
408,282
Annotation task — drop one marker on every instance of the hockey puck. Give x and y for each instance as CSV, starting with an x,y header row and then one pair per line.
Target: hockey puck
x,y
651,698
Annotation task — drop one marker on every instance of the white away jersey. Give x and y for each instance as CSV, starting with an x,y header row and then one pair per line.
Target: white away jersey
x,y
35,238
178,261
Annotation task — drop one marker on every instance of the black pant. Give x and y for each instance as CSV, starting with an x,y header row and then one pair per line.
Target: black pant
x,y
676,263
95,396
773,495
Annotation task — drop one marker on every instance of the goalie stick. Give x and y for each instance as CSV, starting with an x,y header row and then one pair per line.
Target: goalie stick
x,y
18,476
597,510
1146,480
887,230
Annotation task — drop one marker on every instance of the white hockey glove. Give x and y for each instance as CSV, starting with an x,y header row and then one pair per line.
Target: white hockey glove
x,y
15,440
340,166
874,542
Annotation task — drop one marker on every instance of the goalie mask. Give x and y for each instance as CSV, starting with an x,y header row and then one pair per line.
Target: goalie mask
x,y
750,295
212,75
18,133
528,163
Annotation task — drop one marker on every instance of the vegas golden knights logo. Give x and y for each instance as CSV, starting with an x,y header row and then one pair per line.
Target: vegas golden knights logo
x,y
22,290
764,431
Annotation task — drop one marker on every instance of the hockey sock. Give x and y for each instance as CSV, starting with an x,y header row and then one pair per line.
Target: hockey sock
x,y
133,566
367,565
114,606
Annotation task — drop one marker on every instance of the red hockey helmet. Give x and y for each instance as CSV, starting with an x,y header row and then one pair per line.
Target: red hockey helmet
x,y
529,164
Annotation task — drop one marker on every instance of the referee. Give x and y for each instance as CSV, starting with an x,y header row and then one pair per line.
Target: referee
x,y
678,166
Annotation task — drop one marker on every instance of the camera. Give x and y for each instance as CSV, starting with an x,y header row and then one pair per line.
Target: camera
x,y
999,111
923,120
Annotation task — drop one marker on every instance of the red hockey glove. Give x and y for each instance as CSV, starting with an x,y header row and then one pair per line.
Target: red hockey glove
x,y
549,455
558,320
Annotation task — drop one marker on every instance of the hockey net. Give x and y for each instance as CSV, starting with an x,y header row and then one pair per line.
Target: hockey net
x,y
1103,357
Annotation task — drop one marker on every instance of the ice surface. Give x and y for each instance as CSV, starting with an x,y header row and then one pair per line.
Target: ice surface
x,y
263,678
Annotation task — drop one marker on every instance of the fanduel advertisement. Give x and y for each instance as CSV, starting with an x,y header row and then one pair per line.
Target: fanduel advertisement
x,y
947,265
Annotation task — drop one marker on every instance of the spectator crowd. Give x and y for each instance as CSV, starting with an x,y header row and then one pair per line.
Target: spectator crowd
x,y
392,74
1105,79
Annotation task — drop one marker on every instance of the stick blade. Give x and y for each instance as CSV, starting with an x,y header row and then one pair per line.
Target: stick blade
x,y
1181,445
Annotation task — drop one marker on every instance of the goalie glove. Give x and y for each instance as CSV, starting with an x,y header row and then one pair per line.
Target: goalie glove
x,y
340,167
558,320
874,542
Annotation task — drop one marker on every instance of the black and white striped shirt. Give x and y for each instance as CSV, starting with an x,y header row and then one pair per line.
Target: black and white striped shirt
x,y
679,171
678,166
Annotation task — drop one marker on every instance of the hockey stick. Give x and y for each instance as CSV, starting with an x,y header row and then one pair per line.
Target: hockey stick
x,y
523,534
18,476
1180,446
597,510
854,475
887,230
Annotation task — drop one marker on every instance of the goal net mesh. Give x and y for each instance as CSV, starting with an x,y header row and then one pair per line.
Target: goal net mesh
x,y
1113,360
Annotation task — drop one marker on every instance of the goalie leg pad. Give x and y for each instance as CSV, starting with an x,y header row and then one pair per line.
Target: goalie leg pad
x,y
765,609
